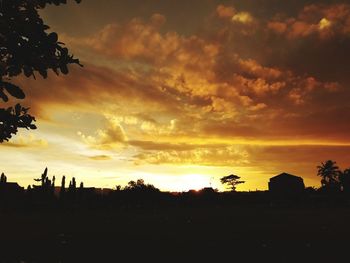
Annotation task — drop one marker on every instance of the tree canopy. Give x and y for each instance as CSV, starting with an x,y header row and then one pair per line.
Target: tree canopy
x,y
140,185
26,48
232,181
329,171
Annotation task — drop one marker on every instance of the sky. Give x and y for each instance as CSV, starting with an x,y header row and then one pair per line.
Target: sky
x,y
182,93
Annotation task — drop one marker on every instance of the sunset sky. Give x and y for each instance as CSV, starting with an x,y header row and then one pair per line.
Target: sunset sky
x,y
181,93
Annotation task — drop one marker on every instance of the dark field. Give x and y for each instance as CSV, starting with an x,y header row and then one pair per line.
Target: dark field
x,y
288,234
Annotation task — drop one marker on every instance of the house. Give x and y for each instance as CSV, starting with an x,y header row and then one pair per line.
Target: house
x,y
285,183
11,189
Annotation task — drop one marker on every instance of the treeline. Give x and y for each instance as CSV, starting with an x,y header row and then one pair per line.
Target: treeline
x,y
334,190
333,179
136,194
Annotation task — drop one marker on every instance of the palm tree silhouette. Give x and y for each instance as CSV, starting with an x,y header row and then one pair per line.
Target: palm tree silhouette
x,y
329,171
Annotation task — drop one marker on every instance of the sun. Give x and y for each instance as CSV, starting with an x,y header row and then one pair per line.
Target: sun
x,y
193,182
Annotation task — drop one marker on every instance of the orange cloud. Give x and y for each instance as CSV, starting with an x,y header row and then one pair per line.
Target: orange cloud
x,y
211,156
225,11
278,27
243,17
100,158
26,142
163,85
113,136
324,21
136,39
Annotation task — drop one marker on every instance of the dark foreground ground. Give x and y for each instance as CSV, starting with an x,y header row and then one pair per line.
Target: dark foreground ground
x,y
217,234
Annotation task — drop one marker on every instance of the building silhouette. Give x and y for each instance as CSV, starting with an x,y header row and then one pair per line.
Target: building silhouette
x,y
10,192
11,188
285,183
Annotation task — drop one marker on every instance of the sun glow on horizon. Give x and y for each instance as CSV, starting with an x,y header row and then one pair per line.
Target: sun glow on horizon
x,y
193,182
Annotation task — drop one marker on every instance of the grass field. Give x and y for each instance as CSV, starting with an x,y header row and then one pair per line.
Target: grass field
x,y
174,233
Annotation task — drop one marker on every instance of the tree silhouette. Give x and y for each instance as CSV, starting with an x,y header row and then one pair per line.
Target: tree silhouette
x,y
72,190
43,179
13,118
3,179
63,186
53,184
329,171
344,179
74,184
26,47
232,181
140,185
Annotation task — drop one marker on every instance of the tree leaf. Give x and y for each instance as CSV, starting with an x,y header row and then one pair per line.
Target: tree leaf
x,y
3,95
43,73
64,69
14,90
27,71
53,37
18,109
